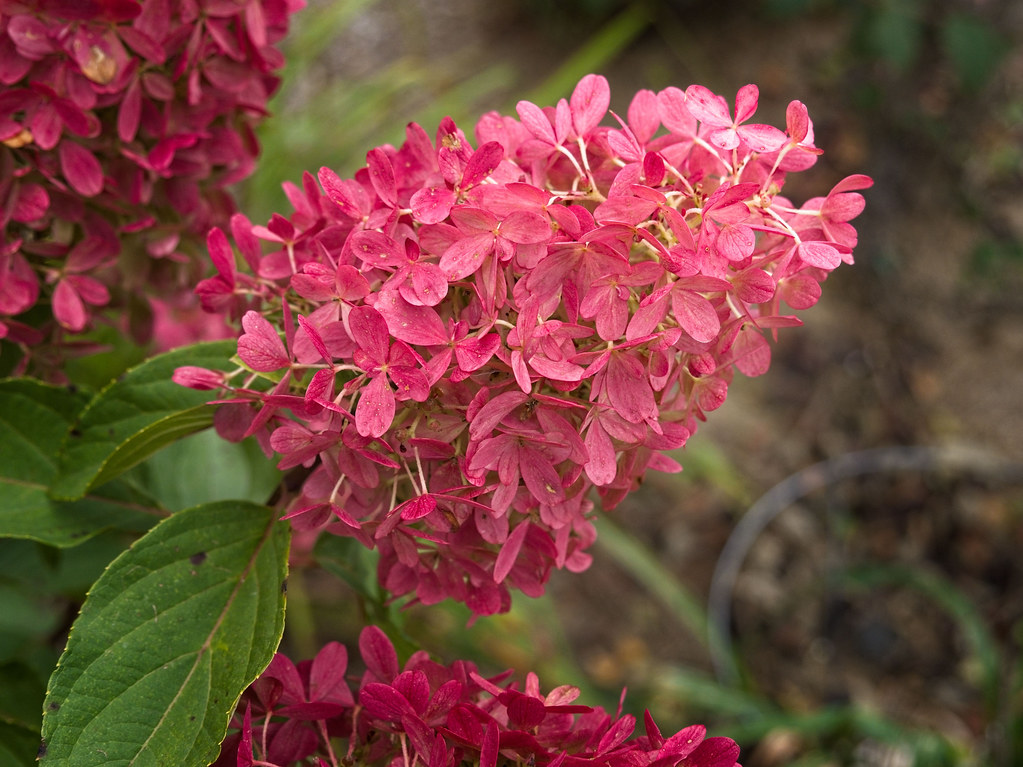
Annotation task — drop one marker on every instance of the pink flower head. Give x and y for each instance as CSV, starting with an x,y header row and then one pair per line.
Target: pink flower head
x,y
181,92
433,714
486,335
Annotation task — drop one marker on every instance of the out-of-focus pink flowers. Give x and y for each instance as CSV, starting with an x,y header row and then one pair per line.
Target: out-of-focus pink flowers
x,y
476,337
122,122
436,715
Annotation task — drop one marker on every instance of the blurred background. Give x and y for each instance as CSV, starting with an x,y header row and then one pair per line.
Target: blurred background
x,y
871,613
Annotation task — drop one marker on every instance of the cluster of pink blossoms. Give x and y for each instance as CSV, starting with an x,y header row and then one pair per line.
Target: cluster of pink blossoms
x,y
474,338
434,715
121,124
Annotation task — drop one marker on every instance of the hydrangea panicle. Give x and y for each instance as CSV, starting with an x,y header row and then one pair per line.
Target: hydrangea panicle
x,y
474,339
121,126
440,715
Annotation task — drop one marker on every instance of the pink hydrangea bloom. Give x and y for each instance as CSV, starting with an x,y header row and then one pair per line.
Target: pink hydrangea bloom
x,y
122,123
436,715
461,342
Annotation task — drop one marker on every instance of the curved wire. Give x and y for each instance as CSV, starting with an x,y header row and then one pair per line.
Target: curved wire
x,y
804,482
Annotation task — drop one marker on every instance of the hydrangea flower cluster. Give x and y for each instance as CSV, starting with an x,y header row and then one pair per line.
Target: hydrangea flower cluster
x,y
475,337
121,124
435,715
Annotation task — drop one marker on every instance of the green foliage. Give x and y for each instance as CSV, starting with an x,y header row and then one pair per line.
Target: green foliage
x,y
974,48
18,745
35,418
898,33
203,467
169,637
133,417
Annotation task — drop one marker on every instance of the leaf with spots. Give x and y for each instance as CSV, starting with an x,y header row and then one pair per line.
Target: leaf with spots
x,y
168,638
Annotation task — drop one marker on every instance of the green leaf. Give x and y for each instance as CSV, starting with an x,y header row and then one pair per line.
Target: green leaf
x,y
896,33
168,638
217,470
975,48
136,415
34,420
18,745
22,699
23,621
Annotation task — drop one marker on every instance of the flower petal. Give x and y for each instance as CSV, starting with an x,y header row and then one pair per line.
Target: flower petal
x,y
375,411
260,347
81,168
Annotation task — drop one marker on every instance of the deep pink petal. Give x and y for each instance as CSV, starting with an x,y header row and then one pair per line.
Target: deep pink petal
x,y
315,338
628,390
432,205
68,307
375,411
381,175
347,194
684,742
853,182
843,207
411,383
750,352
491,745
754,286
735,243
673,112
562,121
723,138
466,255
590,101
536,122
221,254
483,162
376,249
381,701
800,291
509,552
556,370
707,107
624,144
643,115
716,752
617,733
90,289
369,331
762,138
493,412
428,286
412,324
526,228
746,103
797,121
260,347
602,466
417,508
378,654
819,254
32,203
474,353
130,111
198,378
695,315
81,168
